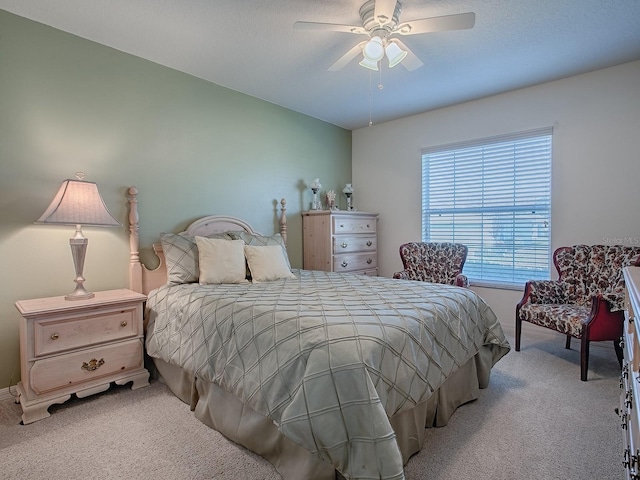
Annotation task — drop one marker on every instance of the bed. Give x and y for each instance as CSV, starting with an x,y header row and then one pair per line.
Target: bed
x,y
326,375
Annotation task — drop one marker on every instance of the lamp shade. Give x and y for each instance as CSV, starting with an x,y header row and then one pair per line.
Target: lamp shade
x,y
395,54
370,64
78,203
373,49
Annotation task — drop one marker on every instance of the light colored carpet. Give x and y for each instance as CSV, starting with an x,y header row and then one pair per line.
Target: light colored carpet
x,y
536,420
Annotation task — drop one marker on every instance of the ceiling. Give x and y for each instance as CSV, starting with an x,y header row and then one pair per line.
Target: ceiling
x,y
251,46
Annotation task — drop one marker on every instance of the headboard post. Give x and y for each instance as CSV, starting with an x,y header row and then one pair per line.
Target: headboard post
x,y
283,220
135,267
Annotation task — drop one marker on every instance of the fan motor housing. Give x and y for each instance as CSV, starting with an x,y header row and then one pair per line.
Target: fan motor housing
x,y
372,25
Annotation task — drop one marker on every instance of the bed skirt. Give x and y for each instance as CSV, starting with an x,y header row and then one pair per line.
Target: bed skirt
x,y
223,412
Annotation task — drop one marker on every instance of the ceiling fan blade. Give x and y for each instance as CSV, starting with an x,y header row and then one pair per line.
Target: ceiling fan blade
x,y
411,62
384,9
347,57
332,27
459,21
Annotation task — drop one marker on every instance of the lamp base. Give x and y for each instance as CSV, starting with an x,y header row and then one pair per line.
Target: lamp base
x,y
78,250
79,294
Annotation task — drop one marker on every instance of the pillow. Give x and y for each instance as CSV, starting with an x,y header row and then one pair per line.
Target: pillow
x,y
267,263
254,239
181,256
221,261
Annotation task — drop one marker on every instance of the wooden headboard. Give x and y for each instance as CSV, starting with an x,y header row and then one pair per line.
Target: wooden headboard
x,y
142,279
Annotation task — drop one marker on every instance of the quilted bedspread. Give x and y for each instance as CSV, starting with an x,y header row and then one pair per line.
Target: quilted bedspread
x,y
328,357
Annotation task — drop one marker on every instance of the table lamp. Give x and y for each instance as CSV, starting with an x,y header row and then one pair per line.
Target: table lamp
x,y
78,203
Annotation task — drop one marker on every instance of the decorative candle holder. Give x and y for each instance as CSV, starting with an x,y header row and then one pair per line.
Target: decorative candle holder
x,y
348,192
315,186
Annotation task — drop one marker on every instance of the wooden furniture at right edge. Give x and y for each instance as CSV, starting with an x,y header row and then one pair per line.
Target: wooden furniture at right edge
x,y
340,241
630,379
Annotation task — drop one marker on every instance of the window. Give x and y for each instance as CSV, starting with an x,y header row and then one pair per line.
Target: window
x,y
493,195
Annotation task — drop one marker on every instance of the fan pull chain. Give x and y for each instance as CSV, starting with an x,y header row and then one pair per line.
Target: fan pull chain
x,y
370,122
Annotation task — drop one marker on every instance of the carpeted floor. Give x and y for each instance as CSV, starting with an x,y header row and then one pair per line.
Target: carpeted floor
x,y
536,420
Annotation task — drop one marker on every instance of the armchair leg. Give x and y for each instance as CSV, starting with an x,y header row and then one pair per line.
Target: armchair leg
x,y
567,345
518,332
617,345
584,358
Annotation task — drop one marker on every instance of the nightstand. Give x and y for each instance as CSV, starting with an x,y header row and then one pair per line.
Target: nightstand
x,y
78,347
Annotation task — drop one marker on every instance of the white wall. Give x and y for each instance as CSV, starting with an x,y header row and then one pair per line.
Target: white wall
x,y
595,170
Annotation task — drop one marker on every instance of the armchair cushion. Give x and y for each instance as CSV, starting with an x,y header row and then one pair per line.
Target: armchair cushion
x,y
433,262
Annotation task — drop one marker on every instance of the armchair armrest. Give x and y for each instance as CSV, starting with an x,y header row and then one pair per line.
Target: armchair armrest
x,y
403,275
462,280
544,292
616,301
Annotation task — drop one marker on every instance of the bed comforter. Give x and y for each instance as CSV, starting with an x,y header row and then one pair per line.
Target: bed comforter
x,y
328,357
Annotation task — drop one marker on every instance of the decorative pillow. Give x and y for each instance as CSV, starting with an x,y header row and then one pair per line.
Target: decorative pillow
x,y
181,255
221,261
253,239
267,263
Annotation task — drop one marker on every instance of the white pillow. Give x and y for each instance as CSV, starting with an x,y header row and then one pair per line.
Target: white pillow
x,y
267,263
221,261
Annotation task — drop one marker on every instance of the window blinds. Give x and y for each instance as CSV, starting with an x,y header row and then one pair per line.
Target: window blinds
x,y
493,195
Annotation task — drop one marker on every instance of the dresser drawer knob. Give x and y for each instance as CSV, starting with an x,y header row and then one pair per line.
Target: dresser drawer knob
x,y
92,365
369,243
344,263
369,261
344,245
123,324
55,336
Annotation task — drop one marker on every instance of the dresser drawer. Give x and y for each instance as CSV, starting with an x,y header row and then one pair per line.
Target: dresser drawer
x,y
349,224
354,243
356,261
57,334
74,368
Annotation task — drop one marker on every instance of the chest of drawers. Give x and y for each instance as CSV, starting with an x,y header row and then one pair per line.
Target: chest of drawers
x,y
340,241
78,346
630,379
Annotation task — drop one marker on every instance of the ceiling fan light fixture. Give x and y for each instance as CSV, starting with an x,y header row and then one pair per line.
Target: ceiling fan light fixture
x,y
373,50
370,64
395,54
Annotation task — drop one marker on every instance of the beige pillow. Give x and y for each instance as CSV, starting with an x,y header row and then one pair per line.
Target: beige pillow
x,y
221,261
267,263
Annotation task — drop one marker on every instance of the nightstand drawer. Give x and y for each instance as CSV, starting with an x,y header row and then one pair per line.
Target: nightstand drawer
x,y
60,333
359,261
347,224
75,368
355,243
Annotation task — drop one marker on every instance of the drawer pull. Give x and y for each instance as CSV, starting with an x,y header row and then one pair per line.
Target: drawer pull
x,y
92,365
55,336
123,324
344,263
369,261
344,245
368,226
369,243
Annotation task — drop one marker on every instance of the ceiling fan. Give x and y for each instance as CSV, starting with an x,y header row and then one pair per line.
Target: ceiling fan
x,y
380,22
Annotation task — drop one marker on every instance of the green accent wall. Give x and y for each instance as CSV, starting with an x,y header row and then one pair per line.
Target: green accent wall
x,y
192,148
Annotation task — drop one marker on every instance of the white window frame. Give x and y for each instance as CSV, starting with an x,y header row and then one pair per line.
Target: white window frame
x,y
493,195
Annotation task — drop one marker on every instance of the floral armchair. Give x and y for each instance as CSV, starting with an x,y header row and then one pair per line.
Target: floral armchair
x,y
433,262
587,300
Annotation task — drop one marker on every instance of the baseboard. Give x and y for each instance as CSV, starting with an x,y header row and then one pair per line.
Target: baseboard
x,y
5,393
